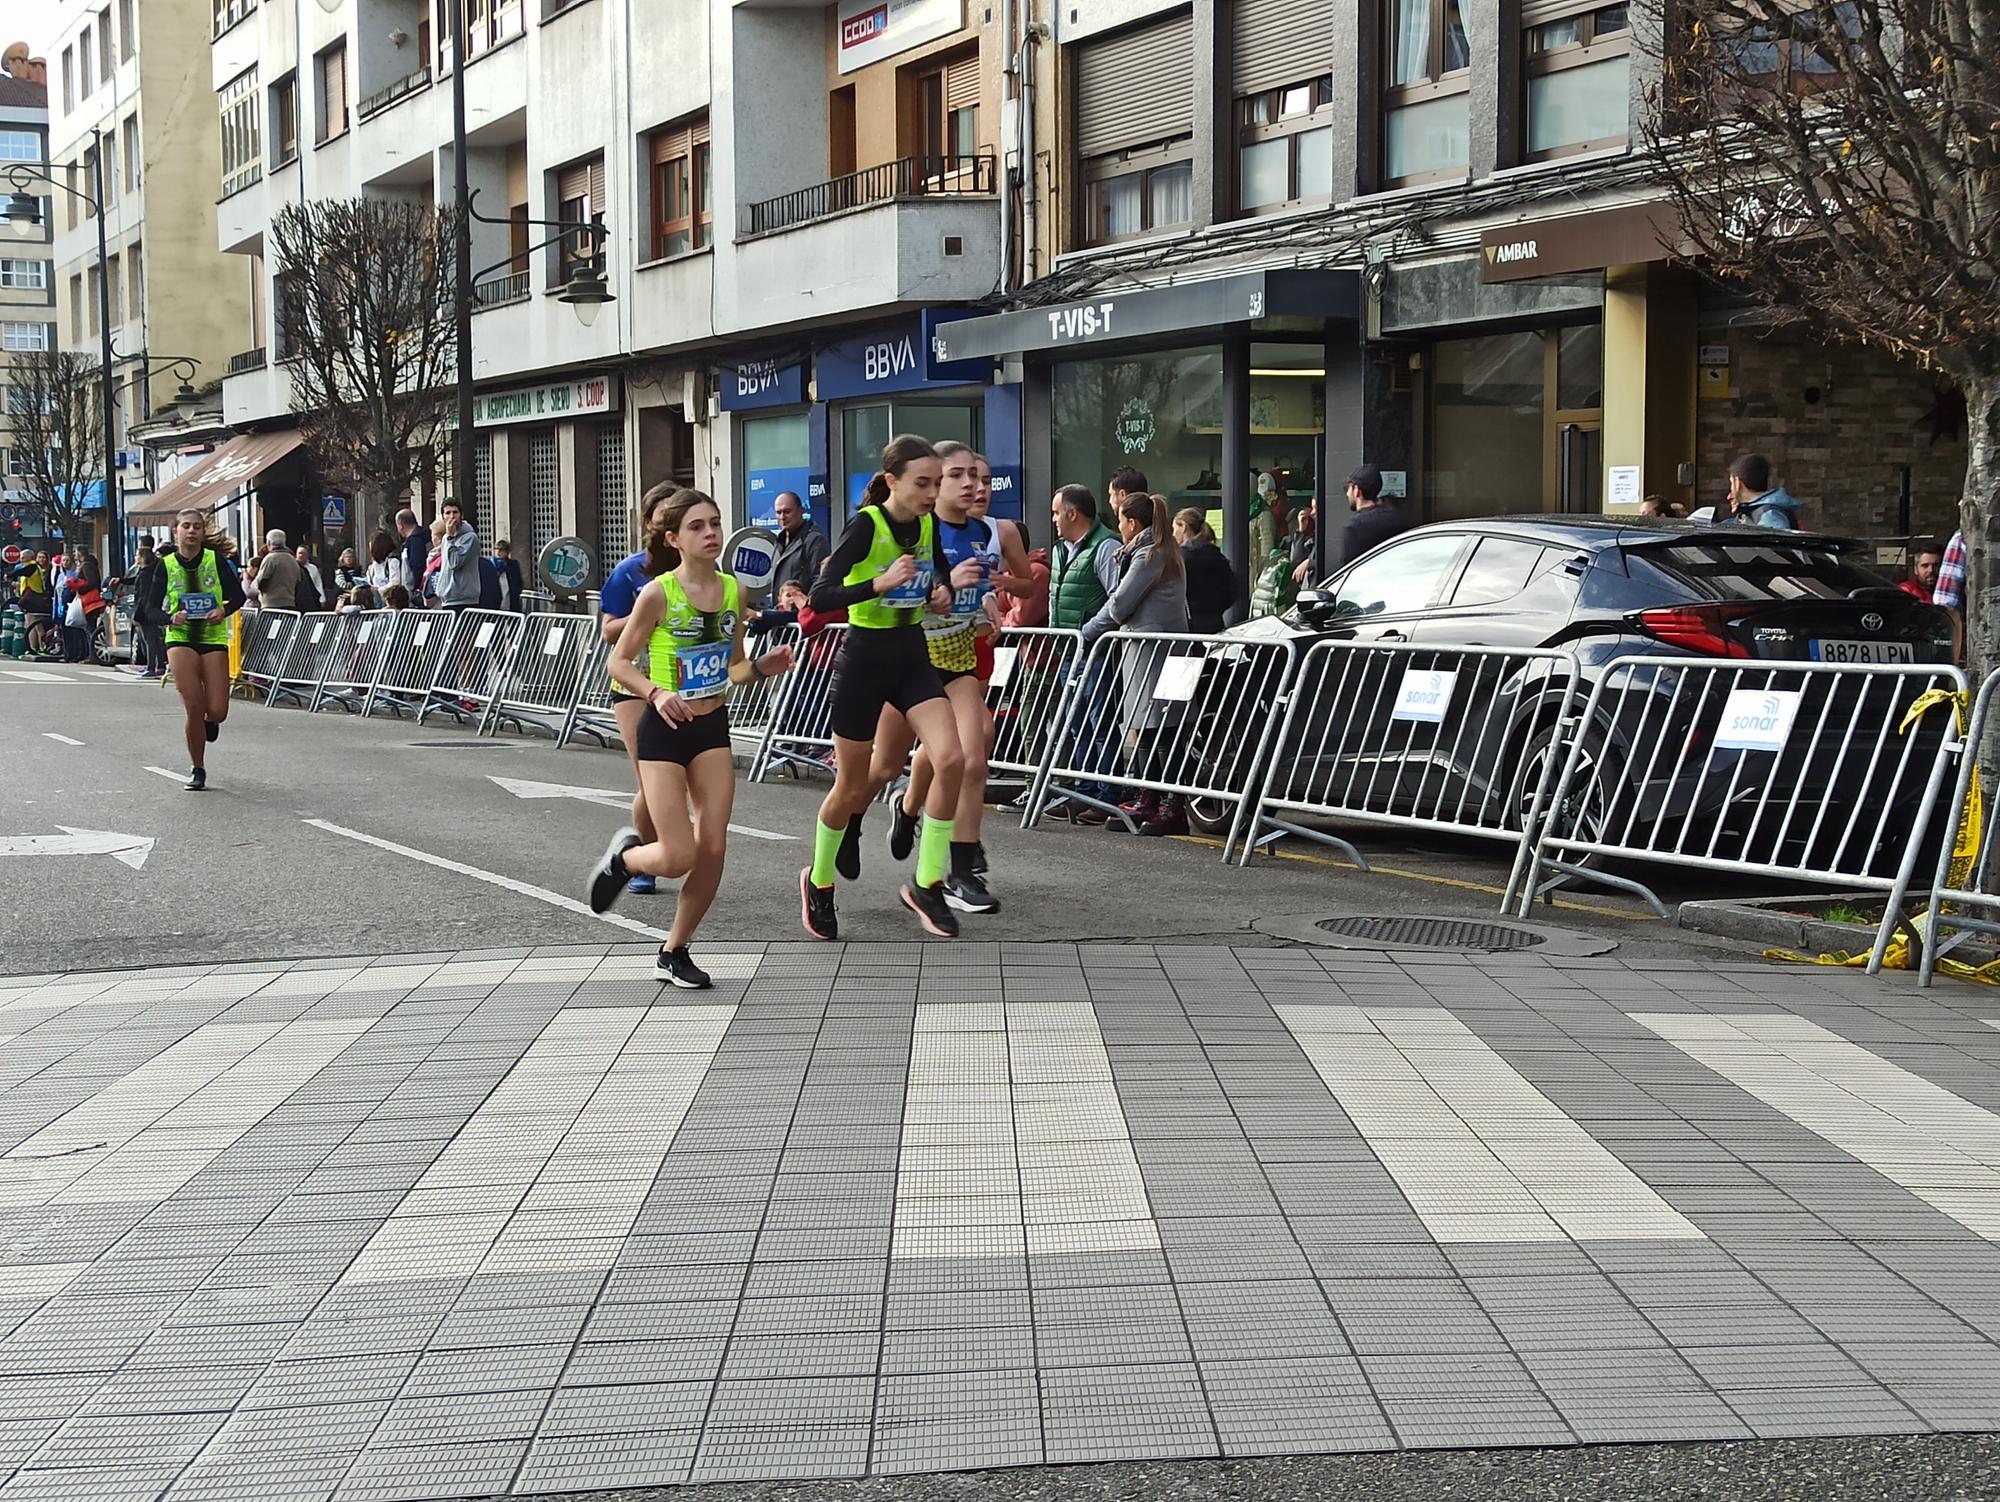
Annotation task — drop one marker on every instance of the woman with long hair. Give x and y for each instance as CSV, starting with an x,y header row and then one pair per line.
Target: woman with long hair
x,y
887,573
192,592
961,648
1211,582
385,563
619,597
1151,597
688,622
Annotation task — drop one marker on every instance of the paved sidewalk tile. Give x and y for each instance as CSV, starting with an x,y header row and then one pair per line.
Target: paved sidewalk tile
x,y
518,1221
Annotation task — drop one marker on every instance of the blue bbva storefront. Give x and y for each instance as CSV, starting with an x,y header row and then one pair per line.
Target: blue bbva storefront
x,y
815,423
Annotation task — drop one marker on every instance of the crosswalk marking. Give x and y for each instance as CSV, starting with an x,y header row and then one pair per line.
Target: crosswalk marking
x,y
1478,1151
1013,1137
1939,1146
145,1135
551,1171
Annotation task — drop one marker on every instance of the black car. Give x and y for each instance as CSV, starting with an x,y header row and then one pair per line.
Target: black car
x,y
1603,589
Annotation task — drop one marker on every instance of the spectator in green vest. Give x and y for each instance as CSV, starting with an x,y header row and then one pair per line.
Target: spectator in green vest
x,y
1083,571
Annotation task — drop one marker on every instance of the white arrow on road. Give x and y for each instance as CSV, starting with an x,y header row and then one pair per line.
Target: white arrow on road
x,y
132,849
609,798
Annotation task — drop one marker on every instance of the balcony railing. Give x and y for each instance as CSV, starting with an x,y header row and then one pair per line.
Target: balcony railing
x,y
908,177
497,292
381,99
249,360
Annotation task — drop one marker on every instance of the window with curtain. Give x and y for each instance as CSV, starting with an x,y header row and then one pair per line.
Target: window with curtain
x,y
1284,150
332,67
1425,124
285,119
86,75
107,57
242,140
1577,78
1138,192
683,211
579,195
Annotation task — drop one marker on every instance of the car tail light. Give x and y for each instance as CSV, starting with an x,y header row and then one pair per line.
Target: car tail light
x,y
1697,628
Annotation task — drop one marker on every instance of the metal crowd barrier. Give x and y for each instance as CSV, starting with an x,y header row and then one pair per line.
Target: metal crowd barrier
x,y
471,665
800,732
414,643
348,672
1970,890
552,662
754,705
1169,712
306,662
1031,666
1790,770
267,639
1456,740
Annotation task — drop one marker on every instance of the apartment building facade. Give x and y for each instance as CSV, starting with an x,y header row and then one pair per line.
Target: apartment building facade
x,y
27,279
122,133
1277,237
791,197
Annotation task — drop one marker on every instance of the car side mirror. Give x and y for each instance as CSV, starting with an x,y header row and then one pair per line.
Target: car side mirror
x,y
1316,605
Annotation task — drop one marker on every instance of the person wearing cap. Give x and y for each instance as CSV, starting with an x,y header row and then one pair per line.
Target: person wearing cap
x,y
1376,518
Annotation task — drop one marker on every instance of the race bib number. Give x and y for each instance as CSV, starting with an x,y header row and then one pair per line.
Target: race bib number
x,y
703,670
911,596
198,607
965,603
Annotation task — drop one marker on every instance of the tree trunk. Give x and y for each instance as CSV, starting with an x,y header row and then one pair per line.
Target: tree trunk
x,y
1979,519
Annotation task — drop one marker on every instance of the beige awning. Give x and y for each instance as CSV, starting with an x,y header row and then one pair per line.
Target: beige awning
x,y
238,462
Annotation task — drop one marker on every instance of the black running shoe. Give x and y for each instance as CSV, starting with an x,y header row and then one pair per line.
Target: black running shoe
x,y
197,780
902,832
929,904
608,876
677,969
213,731
816,908
966,892
847,860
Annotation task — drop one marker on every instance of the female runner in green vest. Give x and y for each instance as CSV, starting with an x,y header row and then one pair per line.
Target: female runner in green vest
x,y
192,592
689,622
961,647
887,570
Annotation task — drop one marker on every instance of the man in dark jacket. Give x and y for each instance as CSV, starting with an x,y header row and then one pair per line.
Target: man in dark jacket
x,y
509,568
802,547
1376,517
416,546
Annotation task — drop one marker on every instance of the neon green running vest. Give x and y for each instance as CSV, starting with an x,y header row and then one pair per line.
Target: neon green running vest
x,y
207,580
877,613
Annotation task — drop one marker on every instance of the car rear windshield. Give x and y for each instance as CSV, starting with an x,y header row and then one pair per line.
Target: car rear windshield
x,y
1714,569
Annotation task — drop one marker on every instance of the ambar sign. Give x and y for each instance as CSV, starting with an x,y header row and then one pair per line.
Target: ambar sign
x,y
1629,236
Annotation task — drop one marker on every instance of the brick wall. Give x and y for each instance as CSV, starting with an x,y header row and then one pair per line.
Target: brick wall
x,y
1841,454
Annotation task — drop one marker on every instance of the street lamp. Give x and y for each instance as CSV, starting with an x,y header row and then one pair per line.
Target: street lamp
x,y
25,208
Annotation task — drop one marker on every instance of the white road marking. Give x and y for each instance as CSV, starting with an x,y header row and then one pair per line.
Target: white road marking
x,y
1939,1146
551,1170
1013,1137
45,679
39,675
1478,1151
66,740
608,798
129,849
170,776
491,878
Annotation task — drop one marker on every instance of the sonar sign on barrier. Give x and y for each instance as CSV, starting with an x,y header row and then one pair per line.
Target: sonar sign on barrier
x,y
752,556
565,565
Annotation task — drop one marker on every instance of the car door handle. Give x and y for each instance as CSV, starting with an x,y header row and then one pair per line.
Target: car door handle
x,y
1390,636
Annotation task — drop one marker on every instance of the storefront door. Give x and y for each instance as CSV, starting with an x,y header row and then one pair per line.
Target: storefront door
x,y
1515,424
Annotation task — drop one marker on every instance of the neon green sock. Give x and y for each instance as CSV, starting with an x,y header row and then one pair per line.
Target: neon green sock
x,y
826,845
933,848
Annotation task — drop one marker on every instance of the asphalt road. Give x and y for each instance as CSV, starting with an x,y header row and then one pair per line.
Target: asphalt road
x,y
244,871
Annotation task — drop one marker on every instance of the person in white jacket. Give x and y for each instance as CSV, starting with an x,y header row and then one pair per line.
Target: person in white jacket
x,y
385,563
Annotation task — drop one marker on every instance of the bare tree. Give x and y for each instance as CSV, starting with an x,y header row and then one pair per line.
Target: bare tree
x,y
1839,160
56,401
365,289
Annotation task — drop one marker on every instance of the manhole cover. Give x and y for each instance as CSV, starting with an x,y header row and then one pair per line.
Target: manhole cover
x,y
1432,933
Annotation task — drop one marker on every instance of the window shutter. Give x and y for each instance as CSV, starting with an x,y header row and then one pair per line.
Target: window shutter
x,y
1279,42
597,185
573,182
961,83
1135,87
